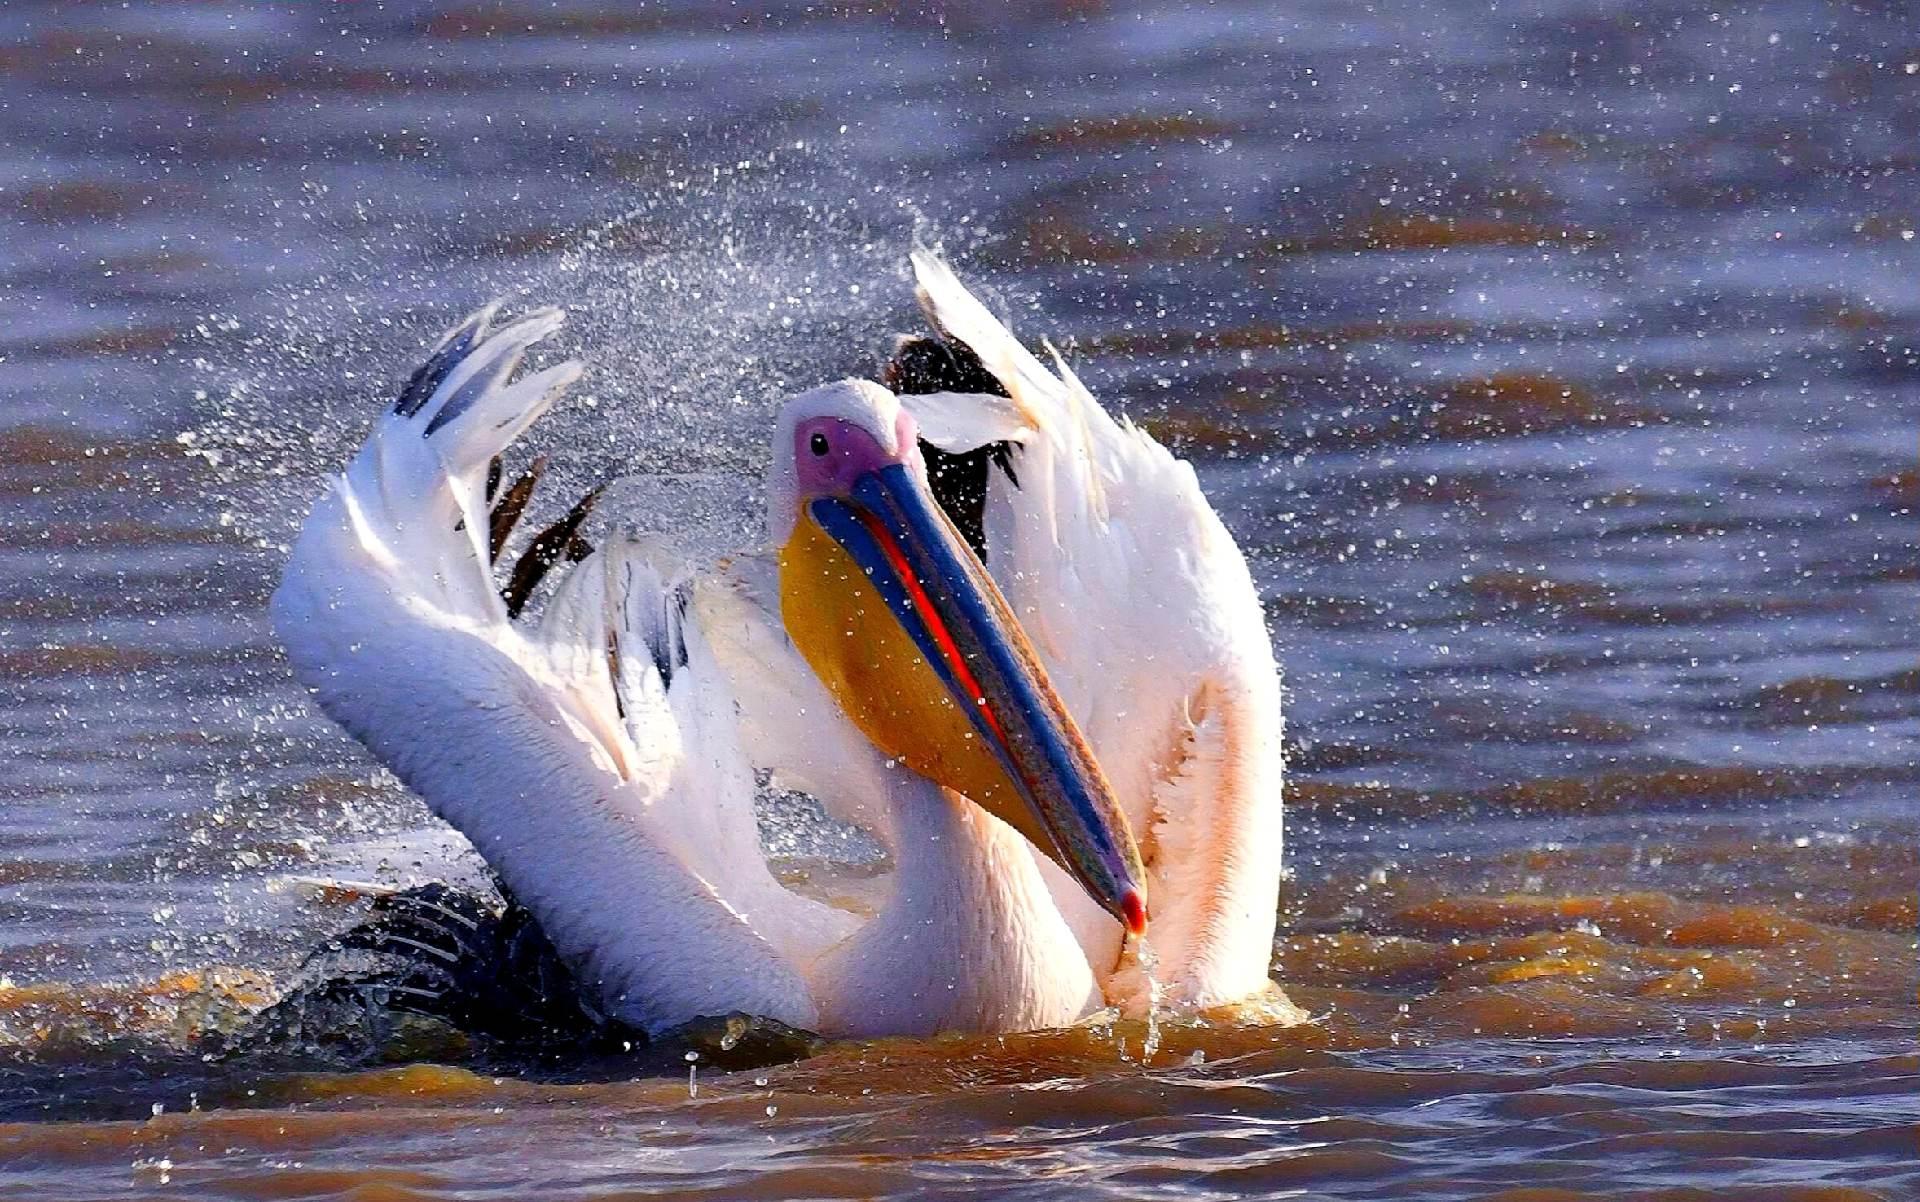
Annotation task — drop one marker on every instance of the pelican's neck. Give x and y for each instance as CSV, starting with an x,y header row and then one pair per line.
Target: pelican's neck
x,y
969,941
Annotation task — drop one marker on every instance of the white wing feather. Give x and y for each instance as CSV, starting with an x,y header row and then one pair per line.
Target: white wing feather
x,y
790,725
1148,621
595,822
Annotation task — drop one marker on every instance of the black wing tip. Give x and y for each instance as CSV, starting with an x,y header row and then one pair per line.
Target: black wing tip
x,y
486,377
923,364
667,645
506,512
472,964
442,358
558,541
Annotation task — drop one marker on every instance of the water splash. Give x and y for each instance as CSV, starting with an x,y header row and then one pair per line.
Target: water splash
x,y
697,306
1134,981
1149,962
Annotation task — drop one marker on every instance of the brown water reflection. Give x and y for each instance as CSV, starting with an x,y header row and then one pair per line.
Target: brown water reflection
x,y
1556,366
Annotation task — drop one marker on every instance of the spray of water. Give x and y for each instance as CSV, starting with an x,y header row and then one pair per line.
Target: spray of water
x,y
1149,964
696,305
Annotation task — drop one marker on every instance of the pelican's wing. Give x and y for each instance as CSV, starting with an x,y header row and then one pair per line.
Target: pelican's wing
x,y
1147,618
569,759
630,615
790,726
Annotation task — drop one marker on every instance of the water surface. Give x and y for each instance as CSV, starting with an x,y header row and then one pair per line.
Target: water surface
x,y
1556,365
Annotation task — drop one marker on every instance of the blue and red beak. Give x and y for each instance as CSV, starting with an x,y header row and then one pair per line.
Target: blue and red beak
x,y
941,596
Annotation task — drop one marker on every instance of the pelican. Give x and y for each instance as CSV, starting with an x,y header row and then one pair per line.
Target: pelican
x,y
1005,729
1147,621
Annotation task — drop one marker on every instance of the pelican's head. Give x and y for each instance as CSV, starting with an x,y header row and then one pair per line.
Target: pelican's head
x,y
918,647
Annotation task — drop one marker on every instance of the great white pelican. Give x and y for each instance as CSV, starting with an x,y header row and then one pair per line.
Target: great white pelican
x,y
1006,729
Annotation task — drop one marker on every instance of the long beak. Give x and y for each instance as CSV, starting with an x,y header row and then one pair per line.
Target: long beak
x,y
943,598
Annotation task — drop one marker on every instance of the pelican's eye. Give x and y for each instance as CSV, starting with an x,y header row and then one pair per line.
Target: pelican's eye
x,y
818,443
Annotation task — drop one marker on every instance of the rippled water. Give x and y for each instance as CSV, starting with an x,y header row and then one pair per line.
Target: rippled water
x,y
1558,365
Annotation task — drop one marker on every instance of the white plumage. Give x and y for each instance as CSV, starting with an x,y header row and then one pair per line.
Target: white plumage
x,y
601,758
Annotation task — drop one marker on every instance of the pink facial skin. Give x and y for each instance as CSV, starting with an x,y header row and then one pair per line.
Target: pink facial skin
x,y
831,454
